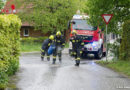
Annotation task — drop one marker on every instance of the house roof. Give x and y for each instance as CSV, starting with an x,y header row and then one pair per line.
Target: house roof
x,y
26,24
8,10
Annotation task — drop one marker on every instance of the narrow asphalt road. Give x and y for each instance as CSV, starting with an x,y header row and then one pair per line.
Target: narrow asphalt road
x,y
35,74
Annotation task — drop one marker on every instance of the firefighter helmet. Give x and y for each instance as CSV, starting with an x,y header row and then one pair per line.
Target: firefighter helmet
x,y
74,32
58,33
51,37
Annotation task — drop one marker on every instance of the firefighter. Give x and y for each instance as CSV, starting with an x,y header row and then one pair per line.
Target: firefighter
x,y
59,43
77,45
46,44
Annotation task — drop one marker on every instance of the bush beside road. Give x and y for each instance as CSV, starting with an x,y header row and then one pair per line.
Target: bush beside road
x,y
9,47
122,67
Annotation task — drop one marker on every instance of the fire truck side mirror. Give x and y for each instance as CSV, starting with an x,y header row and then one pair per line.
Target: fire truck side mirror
x,y
69,23
73,22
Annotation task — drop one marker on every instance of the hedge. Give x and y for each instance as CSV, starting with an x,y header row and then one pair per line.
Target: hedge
x,y
125,42
9,47
32,39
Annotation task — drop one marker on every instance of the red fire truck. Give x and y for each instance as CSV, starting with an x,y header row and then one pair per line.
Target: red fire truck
x,y
93,37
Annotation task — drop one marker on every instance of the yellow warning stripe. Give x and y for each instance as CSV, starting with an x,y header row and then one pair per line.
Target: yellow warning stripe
x,y
54,56
42,50
78,58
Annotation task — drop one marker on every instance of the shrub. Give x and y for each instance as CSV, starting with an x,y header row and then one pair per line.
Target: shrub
x,y
114,49
3,75
125,43
9,46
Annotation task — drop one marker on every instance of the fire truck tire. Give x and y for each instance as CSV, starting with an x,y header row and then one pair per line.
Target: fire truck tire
x,y
83,55
99,54
104,54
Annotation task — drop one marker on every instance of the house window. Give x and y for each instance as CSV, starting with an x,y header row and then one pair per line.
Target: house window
x,y
26,32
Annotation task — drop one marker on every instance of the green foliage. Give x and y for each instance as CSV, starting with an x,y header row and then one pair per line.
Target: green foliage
x,y
13,66
9,46
81,5
114,49
49,15
119,8
67,45
3,75
125,44
1,4
31,39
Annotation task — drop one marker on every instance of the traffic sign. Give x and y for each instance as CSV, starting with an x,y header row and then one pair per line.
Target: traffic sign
x,y
13,6
107,17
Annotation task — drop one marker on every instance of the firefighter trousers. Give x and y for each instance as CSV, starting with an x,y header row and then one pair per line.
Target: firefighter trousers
x,y
77,54
55,53
43,53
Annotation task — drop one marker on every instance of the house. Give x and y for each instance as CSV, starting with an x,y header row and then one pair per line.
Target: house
x,y
26,30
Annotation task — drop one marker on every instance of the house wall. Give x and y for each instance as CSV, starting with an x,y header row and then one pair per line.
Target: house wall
x,y
32,32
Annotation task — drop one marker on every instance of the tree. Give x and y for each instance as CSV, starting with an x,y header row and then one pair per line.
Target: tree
x,y
125,44
1,4
120,9
49,15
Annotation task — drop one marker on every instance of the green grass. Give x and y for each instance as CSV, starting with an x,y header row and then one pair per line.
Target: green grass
x,y
119,66
67,45
33,46
29,47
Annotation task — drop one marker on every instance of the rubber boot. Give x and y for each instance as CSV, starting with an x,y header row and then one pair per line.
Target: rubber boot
x,y
77,62
54,60
60,59
48,58
42,58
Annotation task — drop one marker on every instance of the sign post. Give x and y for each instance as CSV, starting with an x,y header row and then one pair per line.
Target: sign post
x,y
107,18
13,8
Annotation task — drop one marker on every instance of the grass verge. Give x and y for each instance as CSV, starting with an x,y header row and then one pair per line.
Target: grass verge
x,y
122,67
30,46
66,45
33,46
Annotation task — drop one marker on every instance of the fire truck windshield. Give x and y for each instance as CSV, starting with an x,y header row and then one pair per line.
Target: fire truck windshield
x,y
82,25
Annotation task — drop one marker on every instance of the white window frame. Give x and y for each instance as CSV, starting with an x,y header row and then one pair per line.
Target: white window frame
x,y
24,32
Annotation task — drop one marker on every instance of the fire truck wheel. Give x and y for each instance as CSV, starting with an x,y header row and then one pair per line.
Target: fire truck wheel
x,y
99,54
104,54
82,55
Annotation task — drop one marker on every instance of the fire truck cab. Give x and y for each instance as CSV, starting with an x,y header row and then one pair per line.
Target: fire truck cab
x,y
93,37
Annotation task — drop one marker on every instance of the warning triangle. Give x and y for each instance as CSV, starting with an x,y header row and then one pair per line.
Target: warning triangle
x,y
107,17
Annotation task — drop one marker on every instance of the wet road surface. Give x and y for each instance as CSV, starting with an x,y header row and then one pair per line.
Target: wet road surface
x,y
35,74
